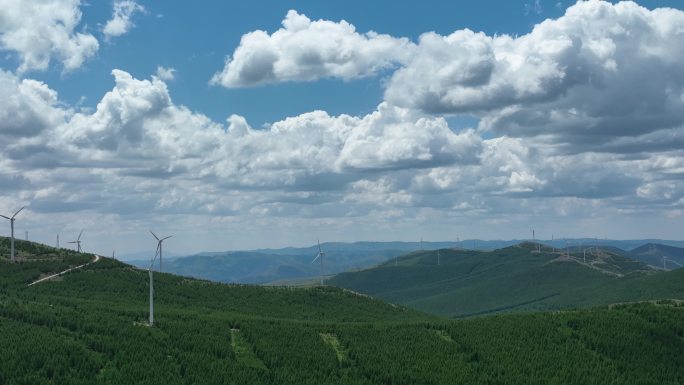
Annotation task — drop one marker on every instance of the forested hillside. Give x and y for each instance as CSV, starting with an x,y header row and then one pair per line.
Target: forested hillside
x,y
90,327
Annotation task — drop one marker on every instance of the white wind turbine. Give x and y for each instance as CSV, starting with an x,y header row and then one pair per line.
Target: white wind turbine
x,y
159,247
319,257
11,219
149,271
78,242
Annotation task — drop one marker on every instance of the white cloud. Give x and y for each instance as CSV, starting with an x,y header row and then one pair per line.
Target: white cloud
x,y
599,72
40,31
28,108
137,131
166,74
305,50
120,23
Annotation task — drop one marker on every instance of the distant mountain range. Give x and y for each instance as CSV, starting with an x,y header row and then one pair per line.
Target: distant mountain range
x,y
293,264
460,283
281,265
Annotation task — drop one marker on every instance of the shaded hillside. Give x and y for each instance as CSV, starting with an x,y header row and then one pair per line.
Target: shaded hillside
x,y
653,253
90,327
511,279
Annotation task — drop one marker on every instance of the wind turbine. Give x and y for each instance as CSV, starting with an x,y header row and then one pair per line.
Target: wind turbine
x,y
159,247
438,256
319,257
534,240
11,219
664,261
78,242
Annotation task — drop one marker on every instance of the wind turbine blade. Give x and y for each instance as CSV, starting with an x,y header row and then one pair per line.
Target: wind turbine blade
x,y
154,235
73,242
166,238
15,214
5,217
79,235
316,259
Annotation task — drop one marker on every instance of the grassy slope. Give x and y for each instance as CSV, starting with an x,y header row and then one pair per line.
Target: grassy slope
x,y
88,328
510,279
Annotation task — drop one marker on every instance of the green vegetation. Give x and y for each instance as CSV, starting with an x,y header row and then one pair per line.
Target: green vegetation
x,y
90,328
512,279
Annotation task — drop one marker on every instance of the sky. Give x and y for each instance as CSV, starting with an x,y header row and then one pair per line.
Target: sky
x,y
270,123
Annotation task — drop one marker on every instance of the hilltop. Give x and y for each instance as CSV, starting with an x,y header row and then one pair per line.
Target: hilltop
x,y
512,279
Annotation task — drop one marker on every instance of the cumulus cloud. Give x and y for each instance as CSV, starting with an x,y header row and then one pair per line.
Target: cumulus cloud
x,y
137,133
39,32
393,158
121,23
305,50
599,72
29,107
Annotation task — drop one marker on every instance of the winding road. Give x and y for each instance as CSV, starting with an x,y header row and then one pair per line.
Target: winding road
x,y
97,258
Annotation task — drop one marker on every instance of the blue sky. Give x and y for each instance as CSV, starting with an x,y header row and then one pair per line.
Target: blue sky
x,y
473,118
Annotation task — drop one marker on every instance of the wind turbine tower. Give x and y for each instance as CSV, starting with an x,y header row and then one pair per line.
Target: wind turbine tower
x,y
320,256
159,247
78,242
438,257
534,240
58,241
149,271
11,219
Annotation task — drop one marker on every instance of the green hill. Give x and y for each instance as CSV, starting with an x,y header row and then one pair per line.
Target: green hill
x,y
653,253
89,327
515,278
